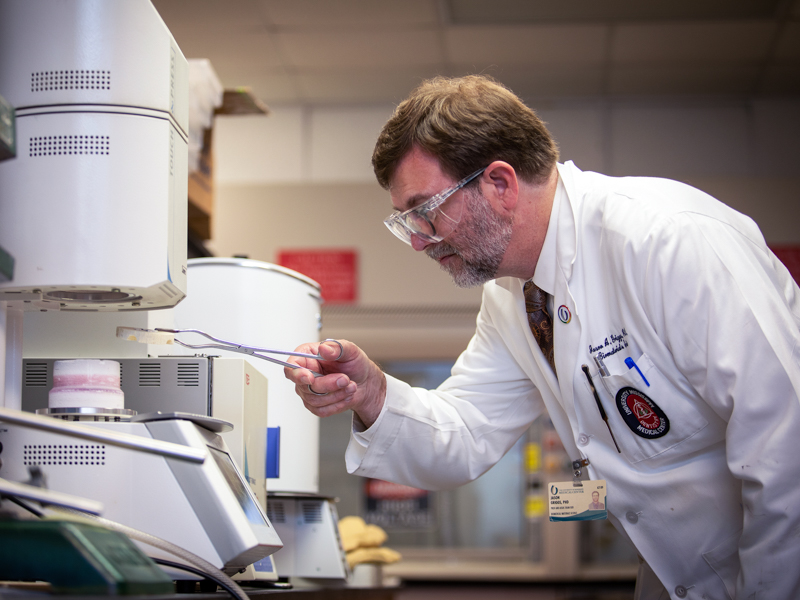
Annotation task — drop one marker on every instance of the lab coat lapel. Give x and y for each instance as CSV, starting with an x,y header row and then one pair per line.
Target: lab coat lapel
x,y
567,343
566,320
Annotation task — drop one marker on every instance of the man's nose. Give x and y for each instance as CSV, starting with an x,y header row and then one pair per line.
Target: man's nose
x,y
418,243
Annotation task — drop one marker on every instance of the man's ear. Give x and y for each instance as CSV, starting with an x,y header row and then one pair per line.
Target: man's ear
x,y
500,185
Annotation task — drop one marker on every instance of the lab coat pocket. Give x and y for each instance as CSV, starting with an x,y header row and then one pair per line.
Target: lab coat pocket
x,y
649,415
724,560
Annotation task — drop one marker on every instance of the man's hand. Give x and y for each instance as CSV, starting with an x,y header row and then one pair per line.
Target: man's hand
x,y
350,380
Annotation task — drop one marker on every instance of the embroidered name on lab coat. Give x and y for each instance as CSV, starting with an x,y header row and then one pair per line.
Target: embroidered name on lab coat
x,y
614,343
643,416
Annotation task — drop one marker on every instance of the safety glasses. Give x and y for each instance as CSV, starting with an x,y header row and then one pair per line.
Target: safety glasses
x,y
429,221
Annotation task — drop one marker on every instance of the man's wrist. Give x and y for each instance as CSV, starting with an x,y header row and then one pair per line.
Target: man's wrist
x,y
369,414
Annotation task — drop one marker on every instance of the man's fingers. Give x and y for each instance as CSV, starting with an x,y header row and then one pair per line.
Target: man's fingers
x,y
331,350
331,405
327,385
303,374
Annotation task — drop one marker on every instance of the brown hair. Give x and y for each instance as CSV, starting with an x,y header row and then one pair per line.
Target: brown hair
x,y
466,123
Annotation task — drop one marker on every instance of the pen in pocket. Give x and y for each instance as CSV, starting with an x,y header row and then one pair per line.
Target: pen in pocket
x,y
603,415
633,365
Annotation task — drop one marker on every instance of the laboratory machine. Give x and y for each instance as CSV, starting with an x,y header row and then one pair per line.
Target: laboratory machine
x,y
93,213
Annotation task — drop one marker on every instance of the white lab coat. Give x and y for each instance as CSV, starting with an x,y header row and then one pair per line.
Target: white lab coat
x,y
710,317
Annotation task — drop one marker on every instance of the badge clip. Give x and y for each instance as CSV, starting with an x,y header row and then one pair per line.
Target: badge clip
x,y
577,470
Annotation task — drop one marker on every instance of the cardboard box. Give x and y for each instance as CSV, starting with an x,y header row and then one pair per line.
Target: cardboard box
x,y
240,101
201,191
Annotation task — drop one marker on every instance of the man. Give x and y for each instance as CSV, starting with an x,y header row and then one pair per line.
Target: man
x,y
649,320
595,504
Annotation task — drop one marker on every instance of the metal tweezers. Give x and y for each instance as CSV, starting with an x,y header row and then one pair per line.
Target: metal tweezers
x,y
249,350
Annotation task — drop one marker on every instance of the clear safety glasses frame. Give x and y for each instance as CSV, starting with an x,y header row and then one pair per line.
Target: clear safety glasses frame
x,y
421,221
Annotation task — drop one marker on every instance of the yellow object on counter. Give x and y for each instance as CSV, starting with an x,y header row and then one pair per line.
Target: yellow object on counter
x,y
382,556
356,533
361,542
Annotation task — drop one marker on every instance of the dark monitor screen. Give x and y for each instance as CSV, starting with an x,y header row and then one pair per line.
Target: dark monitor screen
x,y
238,487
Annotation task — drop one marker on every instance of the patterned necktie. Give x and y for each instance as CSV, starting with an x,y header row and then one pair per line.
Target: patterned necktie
x,y
539,320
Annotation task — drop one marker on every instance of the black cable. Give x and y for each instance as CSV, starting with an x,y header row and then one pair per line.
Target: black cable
x,y
198,572
25,505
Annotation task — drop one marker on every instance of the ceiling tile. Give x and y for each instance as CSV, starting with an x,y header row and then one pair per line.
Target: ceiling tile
x,y
730,41
525,11
689,78
365,50
197,17
390,85
788,47
526,45
255,49
361,49
543,82
304,14
781,79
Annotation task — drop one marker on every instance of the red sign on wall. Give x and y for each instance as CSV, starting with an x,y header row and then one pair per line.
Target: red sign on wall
x,y
789,255
335,270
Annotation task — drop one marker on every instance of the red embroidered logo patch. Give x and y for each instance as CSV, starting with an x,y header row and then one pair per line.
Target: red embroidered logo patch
x,y
643,416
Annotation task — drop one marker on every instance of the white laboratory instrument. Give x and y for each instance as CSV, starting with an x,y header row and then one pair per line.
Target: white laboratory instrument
x,y
229,389
308,526
207,508
94,212
264,305
94,207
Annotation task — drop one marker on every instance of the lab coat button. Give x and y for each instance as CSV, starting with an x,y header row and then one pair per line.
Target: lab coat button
x,y
681,591
632,517
583,439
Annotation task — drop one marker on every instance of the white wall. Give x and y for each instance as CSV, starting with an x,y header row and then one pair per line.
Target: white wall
x,y
301,178
678,139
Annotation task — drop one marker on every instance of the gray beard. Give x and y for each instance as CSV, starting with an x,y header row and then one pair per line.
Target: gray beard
x,y
482,243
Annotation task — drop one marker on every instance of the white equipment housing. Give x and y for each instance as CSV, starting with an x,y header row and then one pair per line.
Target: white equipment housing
x,y
206,508
309,529
94,207
260,304
229,389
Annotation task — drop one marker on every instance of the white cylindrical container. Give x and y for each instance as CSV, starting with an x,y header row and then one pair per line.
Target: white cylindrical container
x,y
254,303
94,205
86,383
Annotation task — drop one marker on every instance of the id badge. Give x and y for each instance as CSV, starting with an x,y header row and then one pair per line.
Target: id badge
x,y
578,501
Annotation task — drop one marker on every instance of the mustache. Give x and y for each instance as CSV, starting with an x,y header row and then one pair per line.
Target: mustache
x,y
439,250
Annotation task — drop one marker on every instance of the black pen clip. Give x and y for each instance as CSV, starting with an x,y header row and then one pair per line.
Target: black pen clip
x,y
585,370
